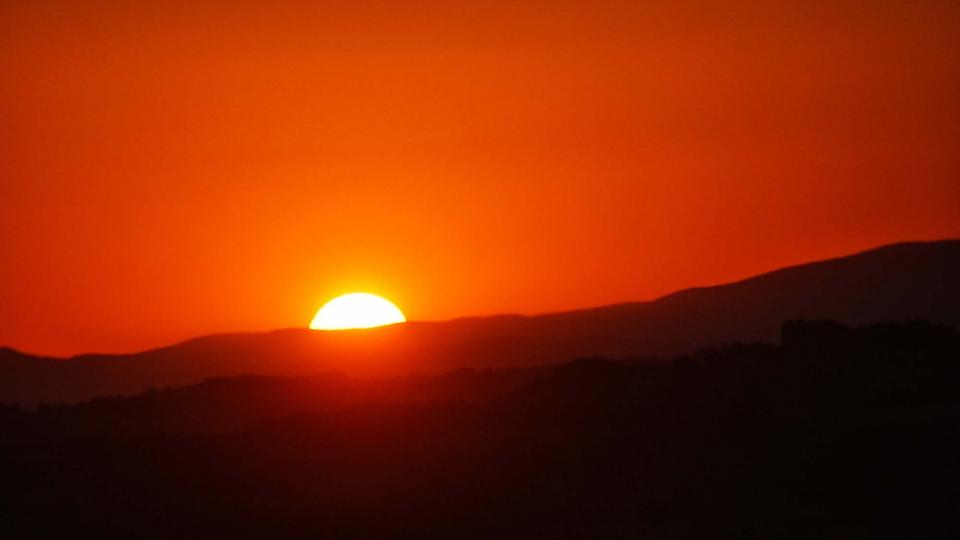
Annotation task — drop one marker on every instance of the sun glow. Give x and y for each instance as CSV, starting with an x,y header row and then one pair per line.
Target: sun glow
x,y
357,310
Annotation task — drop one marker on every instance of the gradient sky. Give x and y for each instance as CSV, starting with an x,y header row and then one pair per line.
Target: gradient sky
x,y
177,170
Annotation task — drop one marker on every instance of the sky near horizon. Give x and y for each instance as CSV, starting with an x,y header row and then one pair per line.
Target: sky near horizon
x,y
175,169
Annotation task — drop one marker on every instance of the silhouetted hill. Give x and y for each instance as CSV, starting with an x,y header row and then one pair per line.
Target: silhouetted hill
x,y
897,282
838,433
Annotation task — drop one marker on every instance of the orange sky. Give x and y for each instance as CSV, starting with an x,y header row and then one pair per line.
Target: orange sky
x,y
172,171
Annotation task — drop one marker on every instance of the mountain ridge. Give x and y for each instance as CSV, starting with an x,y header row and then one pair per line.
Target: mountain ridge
x,y
909,280
499,317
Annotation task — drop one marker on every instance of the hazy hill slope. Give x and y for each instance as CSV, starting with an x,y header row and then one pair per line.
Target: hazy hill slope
x,y
897,282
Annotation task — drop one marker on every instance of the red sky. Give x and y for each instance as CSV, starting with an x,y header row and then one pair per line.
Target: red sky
x,y
171,171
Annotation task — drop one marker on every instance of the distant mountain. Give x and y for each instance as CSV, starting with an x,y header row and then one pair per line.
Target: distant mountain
x,y
896,282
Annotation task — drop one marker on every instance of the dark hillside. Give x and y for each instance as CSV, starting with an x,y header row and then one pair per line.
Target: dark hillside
x,y
839,433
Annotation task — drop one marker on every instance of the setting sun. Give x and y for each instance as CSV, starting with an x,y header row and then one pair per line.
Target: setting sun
x,y
357,310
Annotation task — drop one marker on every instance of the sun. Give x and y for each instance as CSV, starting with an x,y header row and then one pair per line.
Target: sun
x,y
357,310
